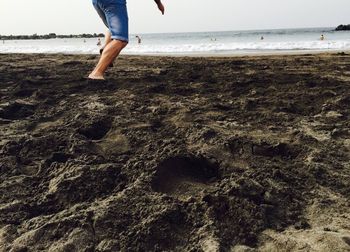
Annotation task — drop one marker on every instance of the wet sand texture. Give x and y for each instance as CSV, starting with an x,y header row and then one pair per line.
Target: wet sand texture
x,y
175,154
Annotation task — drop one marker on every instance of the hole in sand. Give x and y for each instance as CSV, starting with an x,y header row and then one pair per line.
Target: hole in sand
x,y
16,111
96,130
24,92
281,149
184,175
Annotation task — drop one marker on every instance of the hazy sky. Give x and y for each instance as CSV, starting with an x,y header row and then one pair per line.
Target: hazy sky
x,y
78,16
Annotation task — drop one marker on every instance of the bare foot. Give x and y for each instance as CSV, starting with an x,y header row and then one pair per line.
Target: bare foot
x,y
96,77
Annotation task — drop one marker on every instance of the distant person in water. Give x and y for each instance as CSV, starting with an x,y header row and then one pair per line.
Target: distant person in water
x,y
139,40
115,16
322,37
99,42
262,38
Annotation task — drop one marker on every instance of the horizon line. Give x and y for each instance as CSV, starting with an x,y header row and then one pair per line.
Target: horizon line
x,y
178,32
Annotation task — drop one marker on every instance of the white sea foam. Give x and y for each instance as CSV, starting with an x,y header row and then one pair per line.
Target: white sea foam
x,y
34,47
234,47
181,48
188,43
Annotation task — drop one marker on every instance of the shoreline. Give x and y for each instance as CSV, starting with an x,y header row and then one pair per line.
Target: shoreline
x,y
208,55
250,54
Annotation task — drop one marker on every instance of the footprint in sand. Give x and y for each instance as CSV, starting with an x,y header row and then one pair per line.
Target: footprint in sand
x,y
96,130
17,110
184,176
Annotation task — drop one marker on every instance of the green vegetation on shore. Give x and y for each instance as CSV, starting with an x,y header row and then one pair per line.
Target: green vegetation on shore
x,y
50,36
343,28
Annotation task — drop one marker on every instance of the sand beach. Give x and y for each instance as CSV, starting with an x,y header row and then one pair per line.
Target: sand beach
x,y
175,153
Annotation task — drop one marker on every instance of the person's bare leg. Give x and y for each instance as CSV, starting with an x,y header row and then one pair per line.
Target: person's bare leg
x,y
108,39
110,52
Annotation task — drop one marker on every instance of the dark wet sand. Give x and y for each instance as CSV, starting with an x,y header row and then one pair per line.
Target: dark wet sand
x,y
175,154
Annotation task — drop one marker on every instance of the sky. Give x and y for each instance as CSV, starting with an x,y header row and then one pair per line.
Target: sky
x,y
78,16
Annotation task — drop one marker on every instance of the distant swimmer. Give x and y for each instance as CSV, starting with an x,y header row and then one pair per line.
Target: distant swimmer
x,y
213,39
322,37
99,42
139,40
262,38
84,41
114,15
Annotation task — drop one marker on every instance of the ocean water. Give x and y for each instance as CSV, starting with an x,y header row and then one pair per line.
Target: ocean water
x,y
228,42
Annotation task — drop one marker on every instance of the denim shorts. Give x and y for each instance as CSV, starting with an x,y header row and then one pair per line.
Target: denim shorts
x,y
114,15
